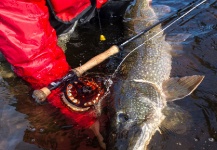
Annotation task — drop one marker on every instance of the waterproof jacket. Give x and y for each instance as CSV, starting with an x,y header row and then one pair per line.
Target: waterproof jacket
x,y
29,44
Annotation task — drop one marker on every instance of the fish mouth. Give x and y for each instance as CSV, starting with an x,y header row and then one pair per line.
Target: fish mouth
x,y
129,135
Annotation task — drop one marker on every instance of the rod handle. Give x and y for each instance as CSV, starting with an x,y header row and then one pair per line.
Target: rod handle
x,y
96,60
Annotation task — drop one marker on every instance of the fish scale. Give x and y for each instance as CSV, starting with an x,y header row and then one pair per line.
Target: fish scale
x,y
156,57
157,62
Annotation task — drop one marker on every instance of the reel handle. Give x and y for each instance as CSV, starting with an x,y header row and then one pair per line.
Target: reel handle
x,y
41,95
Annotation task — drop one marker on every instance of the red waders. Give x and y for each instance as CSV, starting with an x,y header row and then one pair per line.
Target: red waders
x,y
29,44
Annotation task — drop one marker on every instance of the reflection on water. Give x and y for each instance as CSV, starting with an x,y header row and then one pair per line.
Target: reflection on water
x,y
27,125
12,123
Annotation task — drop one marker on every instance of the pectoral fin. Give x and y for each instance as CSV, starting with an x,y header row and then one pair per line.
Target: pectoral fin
x,y
177,88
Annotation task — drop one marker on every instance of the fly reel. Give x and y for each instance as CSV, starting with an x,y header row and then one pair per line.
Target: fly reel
x,y
82,94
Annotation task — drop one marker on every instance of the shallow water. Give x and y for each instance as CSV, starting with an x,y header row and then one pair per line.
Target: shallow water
x,y
27,125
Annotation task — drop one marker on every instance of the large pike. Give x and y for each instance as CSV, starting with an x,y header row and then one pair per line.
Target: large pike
x,y
145,85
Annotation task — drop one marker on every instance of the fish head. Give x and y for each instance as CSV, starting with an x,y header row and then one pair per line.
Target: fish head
x,y
137,116
139,12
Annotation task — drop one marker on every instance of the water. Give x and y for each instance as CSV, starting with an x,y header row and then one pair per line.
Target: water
x,y
27,125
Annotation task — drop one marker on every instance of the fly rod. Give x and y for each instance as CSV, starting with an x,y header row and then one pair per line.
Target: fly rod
x,y
41,94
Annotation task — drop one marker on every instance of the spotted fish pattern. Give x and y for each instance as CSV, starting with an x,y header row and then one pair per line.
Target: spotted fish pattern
x,y
145,85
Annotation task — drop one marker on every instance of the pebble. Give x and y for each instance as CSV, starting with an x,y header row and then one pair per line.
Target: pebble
x,y
211,139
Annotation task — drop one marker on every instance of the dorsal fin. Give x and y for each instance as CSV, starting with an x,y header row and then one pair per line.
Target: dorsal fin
x,y
177,88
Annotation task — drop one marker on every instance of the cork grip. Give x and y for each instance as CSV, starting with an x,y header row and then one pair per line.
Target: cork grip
x,y
41,95
97,60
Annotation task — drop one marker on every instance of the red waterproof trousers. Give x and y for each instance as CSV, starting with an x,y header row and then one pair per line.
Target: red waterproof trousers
x,y
29,44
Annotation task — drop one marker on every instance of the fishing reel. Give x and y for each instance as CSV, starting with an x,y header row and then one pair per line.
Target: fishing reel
x,y
82,94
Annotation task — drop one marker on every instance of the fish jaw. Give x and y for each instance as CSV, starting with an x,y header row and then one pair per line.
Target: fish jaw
x,y
132,135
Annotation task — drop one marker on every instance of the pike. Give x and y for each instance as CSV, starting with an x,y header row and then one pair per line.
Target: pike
x,y
145,85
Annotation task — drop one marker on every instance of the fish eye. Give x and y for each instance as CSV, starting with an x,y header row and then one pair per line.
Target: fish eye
x,y
123,117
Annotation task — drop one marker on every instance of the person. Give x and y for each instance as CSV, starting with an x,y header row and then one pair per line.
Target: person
x,y
28,42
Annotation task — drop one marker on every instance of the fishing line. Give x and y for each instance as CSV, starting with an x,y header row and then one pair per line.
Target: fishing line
x,y
113,75
102,37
